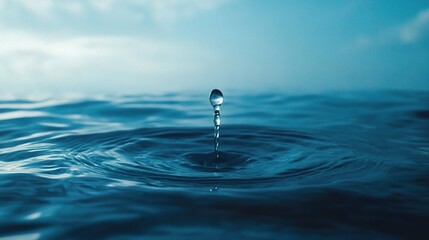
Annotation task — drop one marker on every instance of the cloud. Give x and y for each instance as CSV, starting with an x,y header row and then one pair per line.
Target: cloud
x,y
43,47
410,32
33,61
415,29
164,10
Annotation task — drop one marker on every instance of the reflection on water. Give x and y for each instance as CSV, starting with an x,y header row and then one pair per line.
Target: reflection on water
x,y
338,166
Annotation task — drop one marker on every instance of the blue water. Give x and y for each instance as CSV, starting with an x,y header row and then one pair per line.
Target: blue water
x,y
337,165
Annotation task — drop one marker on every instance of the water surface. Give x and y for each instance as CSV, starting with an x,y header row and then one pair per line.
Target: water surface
x,y
349,165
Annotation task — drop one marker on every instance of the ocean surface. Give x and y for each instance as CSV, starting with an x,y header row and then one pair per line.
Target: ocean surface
x,y
349,165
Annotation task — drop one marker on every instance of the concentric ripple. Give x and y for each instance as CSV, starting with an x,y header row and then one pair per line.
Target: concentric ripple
x,y
251,156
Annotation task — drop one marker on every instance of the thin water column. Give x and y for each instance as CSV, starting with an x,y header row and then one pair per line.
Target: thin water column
x,y
216,99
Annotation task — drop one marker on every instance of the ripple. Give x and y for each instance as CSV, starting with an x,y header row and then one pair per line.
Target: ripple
x,y
20,114
75,168
182,157
208,162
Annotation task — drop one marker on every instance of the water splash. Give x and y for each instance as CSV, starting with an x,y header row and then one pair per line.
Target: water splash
x,y
216,99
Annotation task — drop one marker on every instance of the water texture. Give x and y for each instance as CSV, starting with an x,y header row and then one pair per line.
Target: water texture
x,y
346,166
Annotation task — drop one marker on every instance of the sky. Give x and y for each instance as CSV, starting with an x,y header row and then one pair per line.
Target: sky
x,y
97,47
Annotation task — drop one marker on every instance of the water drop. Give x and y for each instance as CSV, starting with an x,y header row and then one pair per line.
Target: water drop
x,y
216,99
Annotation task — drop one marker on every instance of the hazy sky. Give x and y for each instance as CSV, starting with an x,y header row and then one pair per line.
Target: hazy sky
x,y
155,46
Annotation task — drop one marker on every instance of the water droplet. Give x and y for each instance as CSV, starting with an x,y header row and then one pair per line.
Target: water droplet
x,y
216,99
